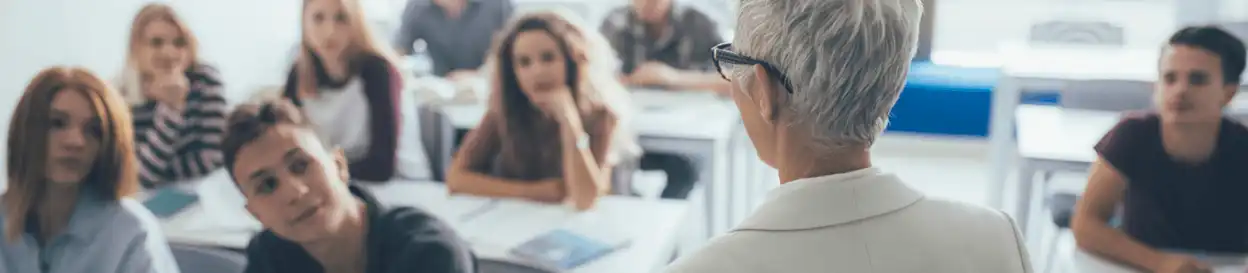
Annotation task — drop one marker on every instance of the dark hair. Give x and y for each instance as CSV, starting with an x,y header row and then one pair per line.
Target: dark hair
x,y
113,175
511,104
250,121
1214,39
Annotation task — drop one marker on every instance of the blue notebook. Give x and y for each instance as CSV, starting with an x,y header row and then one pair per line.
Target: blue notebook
x,y
565,250
168,202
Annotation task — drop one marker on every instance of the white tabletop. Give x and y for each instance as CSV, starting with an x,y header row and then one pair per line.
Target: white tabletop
x,y
696,115
1054,133
1088,263
492,226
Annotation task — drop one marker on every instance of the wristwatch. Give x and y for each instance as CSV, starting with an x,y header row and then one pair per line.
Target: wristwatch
x,y
582,140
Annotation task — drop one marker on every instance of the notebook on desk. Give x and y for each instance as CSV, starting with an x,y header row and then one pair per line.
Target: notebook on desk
x,y
565,249
165,203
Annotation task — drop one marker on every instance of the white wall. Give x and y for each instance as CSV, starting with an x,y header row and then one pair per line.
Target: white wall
x,y
247,40
252,47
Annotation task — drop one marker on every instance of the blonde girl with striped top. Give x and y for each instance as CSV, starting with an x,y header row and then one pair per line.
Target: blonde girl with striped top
x,y
179,110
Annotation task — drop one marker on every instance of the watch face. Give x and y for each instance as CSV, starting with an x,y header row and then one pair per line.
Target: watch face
x,y
582,141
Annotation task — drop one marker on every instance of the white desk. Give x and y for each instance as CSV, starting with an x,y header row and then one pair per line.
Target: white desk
x,y
698,126
1033,69
492,226
1088,263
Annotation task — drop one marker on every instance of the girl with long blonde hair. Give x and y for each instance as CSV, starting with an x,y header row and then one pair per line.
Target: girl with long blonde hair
x,y
178,105
349,87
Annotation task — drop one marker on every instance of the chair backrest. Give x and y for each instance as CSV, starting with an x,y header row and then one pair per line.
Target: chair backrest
x,y
437,134
196,259
488,265
1108,95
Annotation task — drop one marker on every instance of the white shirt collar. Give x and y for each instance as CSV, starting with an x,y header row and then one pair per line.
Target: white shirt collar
x,y
831,200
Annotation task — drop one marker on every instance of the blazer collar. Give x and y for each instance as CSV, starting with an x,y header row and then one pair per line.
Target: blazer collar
x,y
831,200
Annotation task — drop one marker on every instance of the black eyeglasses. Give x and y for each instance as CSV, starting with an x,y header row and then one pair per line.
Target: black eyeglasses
x,y
724,58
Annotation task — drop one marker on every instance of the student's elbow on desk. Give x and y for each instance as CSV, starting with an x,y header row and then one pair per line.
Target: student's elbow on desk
x,y
464,180
585,199
585,194
455,180
1093,211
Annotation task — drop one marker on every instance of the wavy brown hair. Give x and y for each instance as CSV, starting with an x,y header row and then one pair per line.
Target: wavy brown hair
x,y
114,173
514,107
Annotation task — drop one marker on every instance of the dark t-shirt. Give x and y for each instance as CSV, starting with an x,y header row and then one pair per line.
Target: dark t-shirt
x,y
400,240
1174,205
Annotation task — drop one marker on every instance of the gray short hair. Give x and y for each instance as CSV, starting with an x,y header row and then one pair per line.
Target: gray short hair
x,y
846,59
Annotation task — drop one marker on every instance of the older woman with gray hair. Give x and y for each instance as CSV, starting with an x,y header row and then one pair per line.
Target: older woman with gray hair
x,y
815,81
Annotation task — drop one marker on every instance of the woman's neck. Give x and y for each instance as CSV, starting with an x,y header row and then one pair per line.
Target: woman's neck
x,y
797,158
55,209
336,67
346,251
1190,142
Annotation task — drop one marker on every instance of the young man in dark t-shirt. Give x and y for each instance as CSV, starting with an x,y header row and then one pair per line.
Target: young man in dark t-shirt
x,y
1178,173
314,220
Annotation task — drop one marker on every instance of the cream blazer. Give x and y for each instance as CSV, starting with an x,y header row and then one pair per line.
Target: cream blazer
x,y
865,221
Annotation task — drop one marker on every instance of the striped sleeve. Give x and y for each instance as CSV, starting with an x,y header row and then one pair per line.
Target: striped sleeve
x,y
177,145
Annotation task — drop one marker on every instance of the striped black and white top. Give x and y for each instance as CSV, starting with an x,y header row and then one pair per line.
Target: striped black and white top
x,y
181,145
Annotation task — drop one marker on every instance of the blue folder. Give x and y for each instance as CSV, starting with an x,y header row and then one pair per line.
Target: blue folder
x,y
168,202
566,250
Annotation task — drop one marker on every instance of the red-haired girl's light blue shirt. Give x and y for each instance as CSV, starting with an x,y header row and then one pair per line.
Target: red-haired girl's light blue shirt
x,y
102,236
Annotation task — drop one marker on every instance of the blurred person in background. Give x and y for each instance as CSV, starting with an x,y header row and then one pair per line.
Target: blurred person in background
x,y
352,92
663,45
457,33
554,127
1177,173
178,103
815,81
71,166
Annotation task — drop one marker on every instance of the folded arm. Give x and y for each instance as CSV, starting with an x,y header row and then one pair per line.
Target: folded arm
x,y
469,169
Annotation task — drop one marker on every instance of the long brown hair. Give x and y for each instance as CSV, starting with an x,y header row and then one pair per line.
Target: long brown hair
x,y
509,101
114,173
591,68
131,76
362,44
